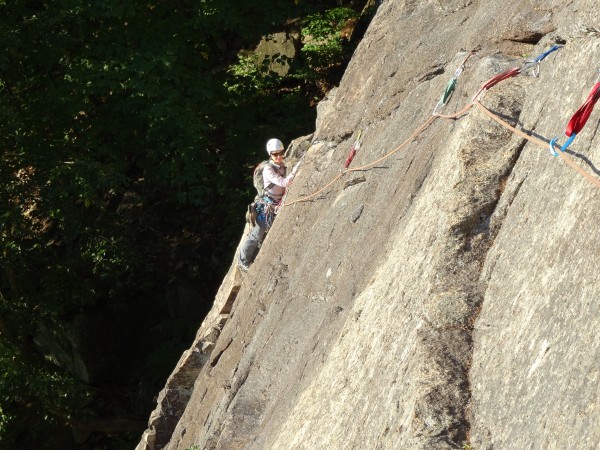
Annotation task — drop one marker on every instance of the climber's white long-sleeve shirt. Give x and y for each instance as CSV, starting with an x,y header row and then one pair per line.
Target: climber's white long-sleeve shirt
x,y
275,180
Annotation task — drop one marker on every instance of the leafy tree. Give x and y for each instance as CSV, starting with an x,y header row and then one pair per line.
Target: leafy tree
x,y
127,133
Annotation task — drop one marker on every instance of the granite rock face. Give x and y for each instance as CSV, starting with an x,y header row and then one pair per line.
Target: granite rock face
x,y
445,296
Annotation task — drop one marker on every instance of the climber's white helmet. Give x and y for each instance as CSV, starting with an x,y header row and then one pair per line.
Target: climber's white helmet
x,y
274,146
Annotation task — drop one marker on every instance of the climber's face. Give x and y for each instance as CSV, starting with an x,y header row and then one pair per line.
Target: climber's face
x,y
277,157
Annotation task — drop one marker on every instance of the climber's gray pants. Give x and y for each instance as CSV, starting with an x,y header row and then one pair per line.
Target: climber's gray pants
x,y
250,247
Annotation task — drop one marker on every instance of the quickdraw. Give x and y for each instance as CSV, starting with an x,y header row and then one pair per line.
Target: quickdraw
x,y
353,150
536,63
515,71
579,119
452,84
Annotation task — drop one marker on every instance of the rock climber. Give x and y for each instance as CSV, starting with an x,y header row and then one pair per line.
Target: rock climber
x,y
275,180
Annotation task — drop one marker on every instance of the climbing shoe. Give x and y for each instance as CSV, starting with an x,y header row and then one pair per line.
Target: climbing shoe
x,y
243,267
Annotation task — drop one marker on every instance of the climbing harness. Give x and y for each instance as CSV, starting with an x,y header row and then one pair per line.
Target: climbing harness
x,y
353,150
579,119
265,210
452,84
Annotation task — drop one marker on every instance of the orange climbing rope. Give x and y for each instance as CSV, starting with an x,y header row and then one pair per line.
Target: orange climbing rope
x,y
354,169
400,147
539,143
486,86
387,155
308,197
456,115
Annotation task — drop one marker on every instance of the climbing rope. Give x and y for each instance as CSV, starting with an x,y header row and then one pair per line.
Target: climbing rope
x,y
354,169
456,115
579,120
538,142
385,156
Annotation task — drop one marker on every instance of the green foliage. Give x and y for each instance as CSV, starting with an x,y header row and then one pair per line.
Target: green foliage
x,y
22,382
322,34
323,26
4,420
128,133
324,48
249,78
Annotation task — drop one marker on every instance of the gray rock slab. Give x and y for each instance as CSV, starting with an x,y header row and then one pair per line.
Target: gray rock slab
x,y
447,300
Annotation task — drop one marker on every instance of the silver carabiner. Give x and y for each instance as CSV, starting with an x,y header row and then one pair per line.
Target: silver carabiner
x,y
529,65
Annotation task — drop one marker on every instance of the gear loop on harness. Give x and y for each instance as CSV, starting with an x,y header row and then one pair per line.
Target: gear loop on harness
x,y
266,209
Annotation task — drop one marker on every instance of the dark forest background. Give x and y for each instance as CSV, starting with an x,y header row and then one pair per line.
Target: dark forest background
x,y
129,131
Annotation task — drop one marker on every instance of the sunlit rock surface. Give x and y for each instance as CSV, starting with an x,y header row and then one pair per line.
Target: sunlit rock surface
x,y
447,295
